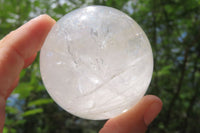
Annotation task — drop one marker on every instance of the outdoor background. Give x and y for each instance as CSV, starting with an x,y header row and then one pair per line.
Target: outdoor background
x,y
173,28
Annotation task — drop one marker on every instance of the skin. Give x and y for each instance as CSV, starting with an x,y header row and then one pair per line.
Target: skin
x,y
18,50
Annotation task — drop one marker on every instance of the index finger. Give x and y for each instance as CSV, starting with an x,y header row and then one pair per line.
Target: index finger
x,y
19,45
29,38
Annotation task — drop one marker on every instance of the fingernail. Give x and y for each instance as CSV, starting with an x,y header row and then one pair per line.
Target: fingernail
x,y
152,112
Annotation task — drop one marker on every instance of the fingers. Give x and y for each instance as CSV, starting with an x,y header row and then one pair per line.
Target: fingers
x,y
17,49
2,113
137,119
29,60
29,38
9,90
10,66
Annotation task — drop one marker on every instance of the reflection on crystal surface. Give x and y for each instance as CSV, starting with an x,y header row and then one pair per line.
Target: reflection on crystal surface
x,y
96,62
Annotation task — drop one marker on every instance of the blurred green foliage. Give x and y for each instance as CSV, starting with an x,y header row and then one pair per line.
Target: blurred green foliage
x,y
173,28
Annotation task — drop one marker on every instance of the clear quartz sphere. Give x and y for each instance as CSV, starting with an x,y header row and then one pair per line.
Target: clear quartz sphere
x,y
96,62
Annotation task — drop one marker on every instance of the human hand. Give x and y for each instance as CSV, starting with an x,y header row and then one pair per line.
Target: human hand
x,y
19,49
137,119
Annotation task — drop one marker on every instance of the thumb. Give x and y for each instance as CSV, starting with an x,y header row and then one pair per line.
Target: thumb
x,y
137,119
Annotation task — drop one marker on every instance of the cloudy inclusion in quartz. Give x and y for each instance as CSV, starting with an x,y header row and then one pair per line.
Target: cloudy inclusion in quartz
x,y
96,62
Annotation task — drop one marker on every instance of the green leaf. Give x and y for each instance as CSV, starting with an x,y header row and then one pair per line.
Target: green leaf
x,y
5,130
40,102
22,74
33,112
11,110
24,89
169,9
165,70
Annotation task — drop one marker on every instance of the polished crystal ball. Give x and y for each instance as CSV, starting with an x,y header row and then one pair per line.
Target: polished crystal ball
x,y
96,62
